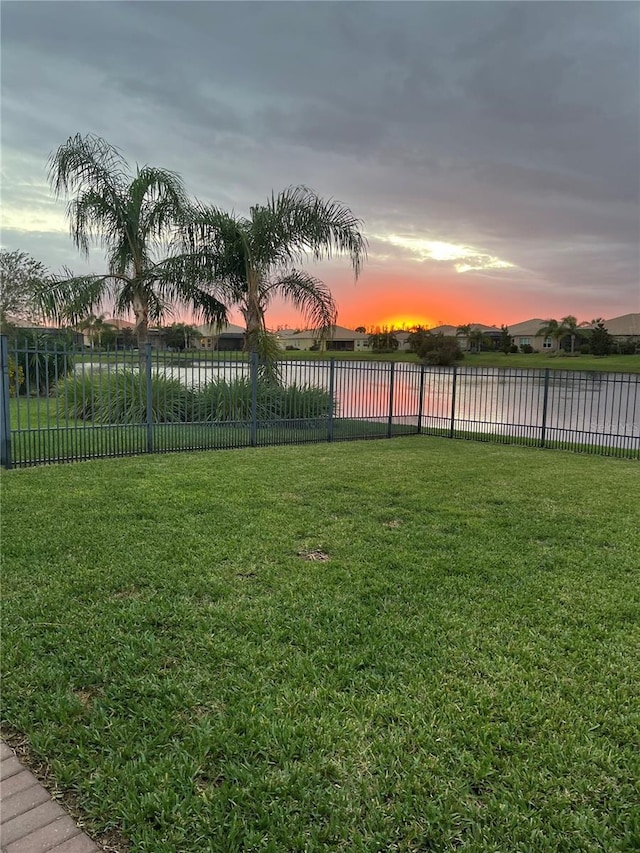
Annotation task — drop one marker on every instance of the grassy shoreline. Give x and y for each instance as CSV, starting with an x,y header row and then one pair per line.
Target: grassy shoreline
x,y
331,647
599,364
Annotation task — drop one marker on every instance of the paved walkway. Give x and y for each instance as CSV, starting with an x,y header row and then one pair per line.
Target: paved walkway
x,y
30,821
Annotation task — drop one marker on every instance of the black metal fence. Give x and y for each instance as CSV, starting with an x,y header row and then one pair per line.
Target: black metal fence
x,y
60,404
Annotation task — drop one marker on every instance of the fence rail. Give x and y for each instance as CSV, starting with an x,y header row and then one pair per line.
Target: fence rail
x,y
60,404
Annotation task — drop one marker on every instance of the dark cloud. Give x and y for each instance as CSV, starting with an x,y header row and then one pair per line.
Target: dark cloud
x,y
513,127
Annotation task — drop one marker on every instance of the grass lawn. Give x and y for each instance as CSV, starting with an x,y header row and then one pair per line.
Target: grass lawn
x,y
412,645
610,363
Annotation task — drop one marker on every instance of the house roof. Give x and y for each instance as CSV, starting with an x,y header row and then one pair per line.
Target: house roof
x,y
528,327
212,330
119,324
626,324
333,333
443,330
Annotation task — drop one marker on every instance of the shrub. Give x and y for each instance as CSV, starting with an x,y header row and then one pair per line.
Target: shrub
x,y
224,401
16,377
439,350
527,349
628,347
601,341
513,348
232,401
120,397
44,360
584,349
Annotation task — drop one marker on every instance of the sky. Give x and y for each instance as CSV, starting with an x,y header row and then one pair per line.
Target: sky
x,y
491,149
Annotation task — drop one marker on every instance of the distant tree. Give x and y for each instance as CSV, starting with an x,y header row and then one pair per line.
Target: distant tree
x,y
553,329
178,335
439,349
21,277
478,340
416,338
383,341
97,329
506,341
601,342
464,331
361,330
570,326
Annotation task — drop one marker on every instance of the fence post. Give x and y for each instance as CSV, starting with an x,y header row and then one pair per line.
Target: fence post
x,y
253,433
452,427
420,399
332,375
147,364
391,387
545,404
5,418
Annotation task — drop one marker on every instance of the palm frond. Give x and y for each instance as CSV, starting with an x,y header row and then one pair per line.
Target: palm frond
x,y
159,199
92,170
307,294
70,299
94,218
86,162
302,223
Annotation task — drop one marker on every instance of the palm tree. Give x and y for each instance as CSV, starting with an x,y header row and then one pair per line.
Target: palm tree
x,y
137,219
553,329
255,259
478,338
464,331
94,327
570,325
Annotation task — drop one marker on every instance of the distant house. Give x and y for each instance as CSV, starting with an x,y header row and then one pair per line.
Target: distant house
x,y
225,338
403,340
491,332
624,328
527,333
285,336
334,339
127,334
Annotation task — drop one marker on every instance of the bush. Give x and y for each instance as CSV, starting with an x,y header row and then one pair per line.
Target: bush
x,y
439,350
584,349
120,397
232,401
513,348
629,347
527,349
601,342
43,360
16,377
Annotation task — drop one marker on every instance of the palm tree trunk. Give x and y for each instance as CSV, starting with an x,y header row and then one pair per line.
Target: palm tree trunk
x,y
141,311
253,315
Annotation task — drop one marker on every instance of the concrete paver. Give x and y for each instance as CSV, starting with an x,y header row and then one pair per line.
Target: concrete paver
x,y
30,821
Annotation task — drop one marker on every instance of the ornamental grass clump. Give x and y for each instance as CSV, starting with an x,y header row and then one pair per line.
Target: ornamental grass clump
x,y
120,397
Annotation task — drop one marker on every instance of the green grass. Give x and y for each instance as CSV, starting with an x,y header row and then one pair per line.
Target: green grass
x,y
462,673
612,363
555,361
